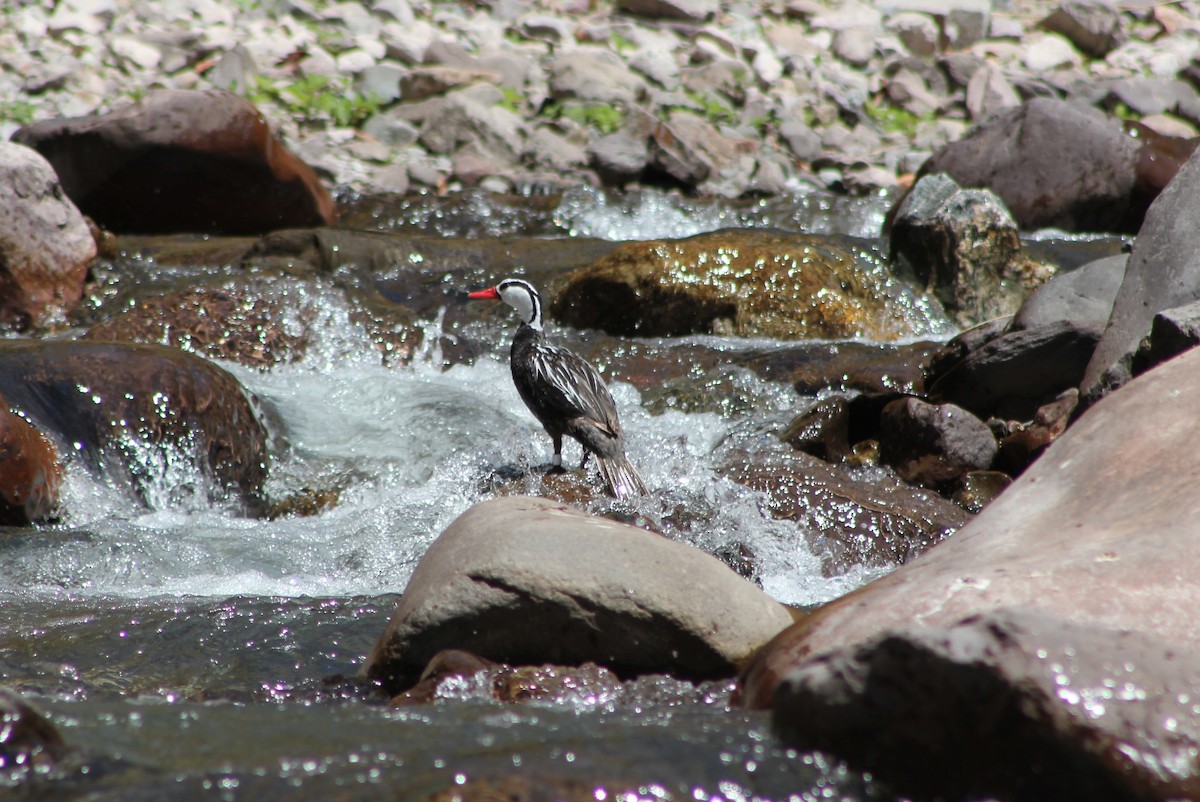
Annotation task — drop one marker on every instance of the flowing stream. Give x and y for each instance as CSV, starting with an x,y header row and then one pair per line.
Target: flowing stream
x,y
186,652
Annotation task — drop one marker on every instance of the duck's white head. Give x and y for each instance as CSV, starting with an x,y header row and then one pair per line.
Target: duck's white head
x,y
518,294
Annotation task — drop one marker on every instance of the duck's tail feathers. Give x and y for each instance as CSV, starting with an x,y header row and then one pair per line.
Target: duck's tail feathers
x,y
622,478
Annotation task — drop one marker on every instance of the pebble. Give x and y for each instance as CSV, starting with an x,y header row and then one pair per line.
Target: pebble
x,y
848,93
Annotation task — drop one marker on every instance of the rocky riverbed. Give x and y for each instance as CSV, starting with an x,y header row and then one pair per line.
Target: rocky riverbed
x,y
919,486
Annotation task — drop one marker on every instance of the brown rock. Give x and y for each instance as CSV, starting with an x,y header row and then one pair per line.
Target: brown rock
x,y
124,409
933,444
848,522
182,161
45,244
748,283
1100,531
30,471
1008,705
28,741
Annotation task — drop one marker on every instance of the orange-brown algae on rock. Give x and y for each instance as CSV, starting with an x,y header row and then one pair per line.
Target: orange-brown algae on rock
x,y
745,283
30,471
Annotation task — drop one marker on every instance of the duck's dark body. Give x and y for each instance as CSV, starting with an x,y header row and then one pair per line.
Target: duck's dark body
x,y
568,397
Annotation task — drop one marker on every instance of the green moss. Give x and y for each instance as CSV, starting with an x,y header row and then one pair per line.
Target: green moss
x,y
21,112
512,99
713,108
894,119
622,44
604,117
317,98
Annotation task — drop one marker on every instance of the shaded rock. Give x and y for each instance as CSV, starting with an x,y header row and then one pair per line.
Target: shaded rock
x,y
510,580
812,368
1095,27
847,521
1010,705
165,423
694,153
29,742
30,471
979,489
1163,273
932,445
1012,374
963,246
1171,333
1053,163
181,160
45,244
749,283
690,10
1027,441
1159,160
1098,532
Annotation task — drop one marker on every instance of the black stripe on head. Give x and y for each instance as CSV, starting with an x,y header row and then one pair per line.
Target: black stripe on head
x,y
522,296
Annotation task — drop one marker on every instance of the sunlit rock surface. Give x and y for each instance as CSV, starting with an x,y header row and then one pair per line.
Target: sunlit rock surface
x,y
528,581
45,244
1009,705
746,283
1100,531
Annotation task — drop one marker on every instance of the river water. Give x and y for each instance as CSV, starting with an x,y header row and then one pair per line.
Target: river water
x,y
186,652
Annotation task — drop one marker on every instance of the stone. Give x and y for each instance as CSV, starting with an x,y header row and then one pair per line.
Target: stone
x,y
30,744
1172,332
1097,532
30,471
620,157
989,93
918,32
689,10
131,413
1054,164
1084,297
527,581
593,75
1163,273
847,522
789,287
933,444
195,161
963,245
1008,704
1048,51
1094,26
45,244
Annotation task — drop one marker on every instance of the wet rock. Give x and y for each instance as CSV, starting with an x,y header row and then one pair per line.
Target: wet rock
x,y
933,444
45,244
512,580
847,521
1097,532
1172,332
1053,163
29,742
1094,26
1027,441
979,489
812,368
454,674
199,161
963,245
1163,273
1009,705
748,283
137,413
30,471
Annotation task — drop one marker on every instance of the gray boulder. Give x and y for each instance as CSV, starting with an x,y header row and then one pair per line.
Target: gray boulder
x,y
1009,705
1094,26
45,244
528,581
1100,531
1163,273
931,444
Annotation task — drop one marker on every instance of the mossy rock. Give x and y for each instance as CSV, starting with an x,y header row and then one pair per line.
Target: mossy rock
x,y
745,283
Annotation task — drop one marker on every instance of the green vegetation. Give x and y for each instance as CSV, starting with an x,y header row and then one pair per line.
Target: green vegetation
x,y
894,119
604,117
512,99
1123,112
621,44
713,109
317,98
21,112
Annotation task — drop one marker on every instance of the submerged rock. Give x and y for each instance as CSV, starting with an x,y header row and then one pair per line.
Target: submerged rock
x,y
45,244
527,581
1008,705
179,160
1099,531
29,742
747,283
155,419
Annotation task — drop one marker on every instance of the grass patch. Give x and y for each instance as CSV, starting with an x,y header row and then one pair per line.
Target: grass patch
x,y
317,98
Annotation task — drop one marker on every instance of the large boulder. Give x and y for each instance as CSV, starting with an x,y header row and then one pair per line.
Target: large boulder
x,y
45,244
1100,531
528,581
181,161
138,413
745,282
1163,273
1009,705
1054,163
